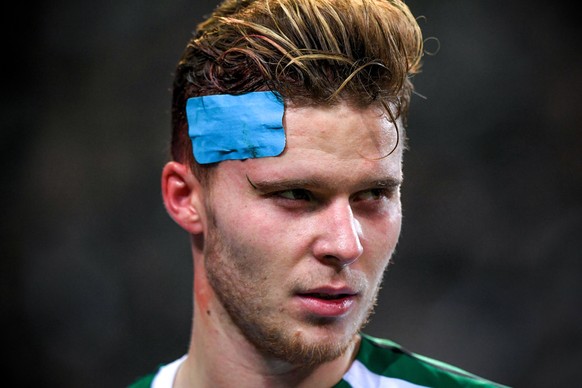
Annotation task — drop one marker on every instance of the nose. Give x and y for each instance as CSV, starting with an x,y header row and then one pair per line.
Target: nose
x,y
339,235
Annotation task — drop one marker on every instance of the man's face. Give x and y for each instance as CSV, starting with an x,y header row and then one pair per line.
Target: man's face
x,y
296,245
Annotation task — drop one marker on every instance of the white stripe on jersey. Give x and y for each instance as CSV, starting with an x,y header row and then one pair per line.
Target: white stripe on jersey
x,y
360,377
167,374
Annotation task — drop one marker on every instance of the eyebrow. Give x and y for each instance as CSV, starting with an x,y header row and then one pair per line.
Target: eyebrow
x,y
286,184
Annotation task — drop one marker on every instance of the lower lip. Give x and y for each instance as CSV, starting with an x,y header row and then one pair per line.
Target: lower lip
x,y
327,307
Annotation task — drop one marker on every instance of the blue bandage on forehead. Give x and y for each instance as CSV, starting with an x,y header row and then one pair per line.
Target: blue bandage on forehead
x,y
226,127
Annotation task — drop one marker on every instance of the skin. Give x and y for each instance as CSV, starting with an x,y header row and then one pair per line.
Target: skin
x,y
324,216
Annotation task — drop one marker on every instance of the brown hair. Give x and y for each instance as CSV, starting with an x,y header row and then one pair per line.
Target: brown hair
x,y
310,51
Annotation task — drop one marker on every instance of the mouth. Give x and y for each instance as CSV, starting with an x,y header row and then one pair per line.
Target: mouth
x,y
327,302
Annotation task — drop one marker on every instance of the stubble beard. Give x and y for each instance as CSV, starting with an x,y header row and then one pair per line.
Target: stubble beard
x,y
239,290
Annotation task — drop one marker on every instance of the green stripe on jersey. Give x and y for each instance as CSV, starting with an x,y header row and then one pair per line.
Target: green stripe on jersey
x,y
143,382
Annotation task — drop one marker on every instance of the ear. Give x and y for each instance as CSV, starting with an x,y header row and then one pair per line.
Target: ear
x,y
183,197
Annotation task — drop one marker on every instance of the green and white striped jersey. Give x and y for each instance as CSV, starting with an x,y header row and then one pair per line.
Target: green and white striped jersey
x,y
383,363
380,363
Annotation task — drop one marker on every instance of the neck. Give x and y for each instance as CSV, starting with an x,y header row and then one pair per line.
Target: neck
x,y
220,355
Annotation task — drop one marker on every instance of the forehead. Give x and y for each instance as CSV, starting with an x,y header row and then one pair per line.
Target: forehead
x,y
341,147
341,131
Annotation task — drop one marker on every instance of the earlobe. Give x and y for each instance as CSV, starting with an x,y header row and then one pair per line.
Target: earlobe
x,y
182,195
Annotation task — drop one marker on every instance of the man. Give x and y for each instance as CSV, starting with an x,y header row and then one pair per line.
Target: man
x,y
288,135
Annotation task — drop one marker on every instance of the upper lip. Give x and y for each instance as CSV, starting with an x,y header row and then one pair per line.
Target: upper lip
x,y
329,290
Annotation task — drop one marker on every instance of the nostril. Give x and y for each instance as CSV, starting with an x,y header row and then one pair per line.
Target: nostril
x,y
338,262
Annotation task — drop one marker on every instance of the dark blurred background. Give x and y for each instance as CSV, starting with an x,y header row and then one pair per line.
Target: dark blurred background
x,y
96,278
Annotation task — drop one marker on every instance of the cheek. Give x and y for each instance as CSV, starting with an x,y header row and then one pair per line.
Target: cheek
x,y
379,239
382,232
258,241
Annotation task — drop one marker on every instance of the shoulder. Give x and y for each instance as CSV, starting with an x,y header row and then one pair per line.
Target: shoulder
x,y
162,378
381,362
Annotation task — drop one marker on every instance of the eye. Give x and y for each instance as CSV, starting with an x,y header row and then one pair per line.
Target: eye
x,y
373,194
295,195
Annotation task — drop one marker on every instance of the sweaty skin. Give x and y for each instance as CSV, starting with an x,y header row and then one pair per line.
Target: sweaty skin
x,y
291,252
